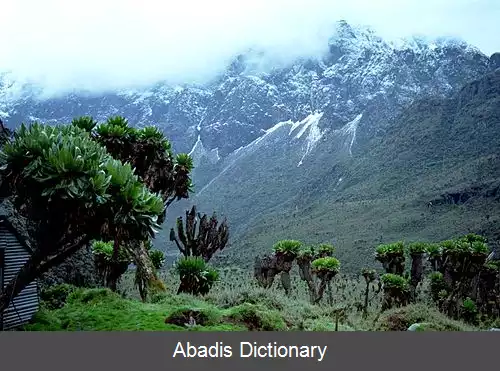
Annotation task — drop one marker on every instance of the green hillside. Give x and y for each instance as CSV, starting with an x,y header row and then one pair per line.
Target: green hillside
x,y
441,151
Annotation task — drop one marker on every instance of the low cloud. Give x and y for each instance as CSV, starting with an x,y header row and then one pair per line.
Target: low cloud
x,y
111,44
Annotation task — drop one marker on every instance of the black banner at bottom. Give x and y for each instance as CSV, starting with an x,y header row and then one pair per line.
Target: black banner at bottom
x,y
135,351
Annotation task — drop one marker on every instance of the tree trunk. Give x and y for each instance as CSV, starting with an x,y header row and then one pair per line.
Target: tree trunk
x,y
306,275
365,307
330,293
312,291
321,290
417,272
114,273
285,281
146,277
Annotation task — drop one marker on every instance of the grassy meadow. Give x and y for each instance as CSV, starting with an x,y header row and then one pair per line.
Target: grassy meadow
x,y
236,303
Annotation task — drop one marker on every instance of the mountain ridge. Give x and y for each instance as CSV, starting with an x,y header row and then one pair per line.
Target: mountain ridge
x,y
302,132
389,187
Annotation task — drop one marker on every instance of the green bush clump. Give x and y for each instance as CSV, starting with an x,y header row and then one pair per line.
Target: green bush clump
x,y
195,275
394,281
434,250
392,249
86,123
289,247
55,297
326,264
400,319
157,258
87,296
469,311
417,248
257,318
306,253
437,285
325,249
455,247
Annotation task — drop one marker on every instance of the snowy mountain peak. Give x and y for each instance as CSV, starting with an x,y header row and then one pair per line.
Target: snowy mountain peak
x,y
361,73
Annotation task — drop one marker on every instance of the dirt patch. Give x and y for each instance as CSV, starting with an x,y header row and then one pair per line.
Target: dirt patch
x,y
183,317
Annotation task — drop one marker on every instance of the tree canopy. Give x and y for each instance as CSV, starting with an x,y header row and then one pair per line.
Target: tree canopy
x,y
82,182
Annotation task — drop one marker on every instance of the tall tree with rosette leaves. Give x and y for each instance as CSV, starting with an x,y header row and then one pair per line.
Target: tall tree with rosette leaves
x,y
150,154
73,192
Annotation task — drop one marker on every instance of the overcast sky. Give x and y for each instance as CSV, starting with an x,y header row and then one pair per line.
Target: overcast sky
x,y
109,44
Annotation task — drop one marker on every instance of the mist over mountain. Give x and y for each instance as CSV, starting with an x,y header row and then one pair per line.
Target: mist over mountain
x,y
104,46
348,147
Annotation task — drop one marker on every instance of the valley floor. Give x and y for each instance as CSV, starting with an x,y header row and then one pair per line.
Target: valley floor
x,y
233,305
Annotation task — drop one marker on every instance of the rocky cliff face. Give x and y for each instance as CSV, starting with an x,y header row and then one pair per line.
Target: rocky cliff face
x,y
361,72
281,140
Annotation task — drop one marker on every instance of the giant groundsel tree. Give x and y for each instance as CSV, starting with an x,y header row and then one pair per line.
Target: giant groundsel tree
x,y
73,190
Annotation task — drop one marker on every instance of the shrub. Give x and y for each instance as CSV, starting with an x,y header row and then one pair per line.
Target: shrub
x,y
417,248
306,253
469,311
394,281
392,249
157,258
325,249
288,247
437,285
434,250
326,265
86,123
195,275
55,297
256,317
399,319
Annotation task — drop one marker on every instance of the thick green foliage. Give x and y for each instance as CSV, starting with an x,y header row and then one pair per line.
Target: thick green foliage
x,y
110,266
306,253
417,248
465,246
105,250
55,297
437,285
86,123
195,275
290,247
395,281
72,191
64,167
325,249
150,154
469,311
327,264
185,161
434,250
157,258
392,249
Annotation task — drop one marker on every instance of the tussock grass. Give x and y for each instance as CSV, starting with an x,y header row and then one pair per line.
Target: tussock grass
x,y
236,303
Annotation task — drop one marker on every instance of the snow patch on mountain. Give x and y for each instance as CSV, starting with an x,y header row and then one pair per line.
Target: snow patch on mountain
x,y
310,125
240,108
311,122
199,152
350,129
268,132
